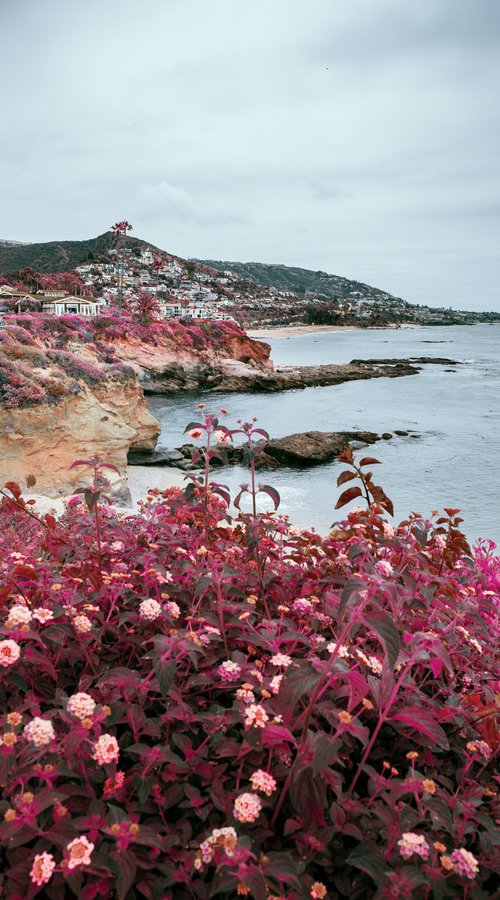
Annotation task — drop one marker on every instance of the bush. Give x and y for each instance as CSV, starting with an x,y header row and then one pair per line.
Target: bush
x,y
193,707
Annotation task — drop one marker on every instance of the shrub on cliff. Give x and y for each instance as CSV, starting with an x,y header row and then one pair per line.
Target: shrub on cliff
x,y
193,708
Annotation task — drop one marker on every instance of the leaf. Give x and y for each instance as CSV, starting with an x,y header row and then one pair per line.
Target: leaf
x,y
165,672
384,625
424,721
345,476
365,858
347,496
193,425
369,461
271,492
80,462
294,686
14,488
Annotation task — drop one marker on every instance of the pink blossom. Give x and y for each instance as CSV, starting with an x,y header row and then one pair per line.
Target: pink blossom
x,y
42,868
275,684
281,659
172,609
195,433
43,615
384,567
149,609
302,605
106,750
39,731
411,843
19,615
255,716
221,436
79,851
82,624
465,863
9,652
245,696
247,807
229,671
81,705
263,781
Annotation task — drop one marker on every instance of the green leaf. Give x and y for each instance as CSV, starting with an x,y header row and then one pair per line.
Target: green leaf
x,y
384,625
165,672
365,858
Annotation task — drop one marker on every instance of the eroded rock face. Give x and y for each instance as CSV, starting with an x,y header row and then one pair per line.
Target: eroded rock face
x,y
163,369
43,441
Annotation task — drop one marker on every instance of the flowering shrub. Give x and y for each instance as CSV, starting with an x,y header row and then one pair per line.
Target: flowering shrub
x,y
194,707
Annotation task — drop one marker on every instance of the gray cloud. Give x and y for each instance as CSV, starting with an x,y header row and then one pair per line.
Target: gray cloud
x,y
354,136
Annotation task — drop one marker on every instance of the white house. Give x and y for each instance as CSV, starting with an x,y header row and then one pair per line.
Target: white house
x,y
71,306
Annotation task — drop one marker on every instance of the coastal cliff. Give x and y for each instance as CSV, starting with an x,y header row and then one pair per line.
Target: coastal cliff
x,y
72,388
39,443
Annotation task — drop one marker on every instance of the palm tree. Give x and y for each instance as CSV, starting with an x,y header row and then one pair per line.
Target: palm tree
x,y
119,229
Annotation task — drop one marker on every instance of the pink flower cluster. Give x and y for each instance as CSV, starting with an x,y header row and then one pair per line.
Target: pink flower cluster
x,y
9,652
412,843
81,705
465,863
106,750
19,615
229,671
263,781
39,731
255,716
149,609
42,868
247,807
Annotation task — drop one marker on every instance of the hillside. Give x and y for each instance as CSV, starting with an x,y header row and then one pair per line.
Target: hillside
x,y
305,281
252,294
61,256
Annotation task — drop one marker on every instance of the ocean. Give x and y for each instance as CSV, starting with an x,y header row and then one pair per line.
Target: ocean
x,y
455,410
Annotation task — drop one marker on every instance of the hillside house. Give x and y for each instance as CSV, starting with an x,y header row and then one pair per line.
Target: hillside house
x,y
71,306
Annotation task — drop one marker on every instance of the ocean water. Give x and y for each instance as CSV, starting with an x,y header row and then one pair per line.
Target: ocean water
x,y
454,461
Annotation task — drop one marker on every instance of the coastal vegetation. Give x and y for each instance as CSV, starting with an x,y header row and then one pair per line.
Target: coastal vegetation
x,y
196,705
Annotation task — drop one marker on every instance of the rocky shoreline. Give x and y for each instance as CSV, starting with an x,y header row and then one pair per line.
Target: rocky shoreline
x,y
234,375
299,450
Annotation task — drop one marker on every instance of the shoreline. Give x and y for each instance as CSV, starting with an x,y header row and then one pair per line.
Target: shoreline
x,y
141,478
285,330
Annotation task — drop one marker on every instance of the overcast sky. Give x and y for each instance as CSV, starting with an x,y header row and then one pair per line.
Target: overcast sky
x,y
360,137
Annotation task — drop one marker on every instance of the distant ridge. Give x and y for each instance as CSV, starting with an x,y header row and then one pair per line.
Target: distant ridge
x,y
304,281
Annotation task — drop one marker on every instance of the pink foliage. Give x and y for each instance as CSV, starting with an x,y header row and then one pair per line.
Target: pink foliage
x,y
155,754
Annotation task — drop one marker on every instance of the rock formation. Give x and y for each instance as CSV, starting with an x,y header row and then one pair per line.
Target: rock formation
x,y
41,442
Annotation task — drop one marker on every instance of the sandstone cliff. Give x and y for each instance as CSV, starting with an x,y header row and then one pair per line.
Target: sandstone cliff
x,y
166,367
42,441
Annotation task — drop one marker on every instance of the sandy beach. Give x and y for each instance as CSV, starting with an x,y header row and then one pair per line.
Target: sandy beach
x,y
281,331
141,478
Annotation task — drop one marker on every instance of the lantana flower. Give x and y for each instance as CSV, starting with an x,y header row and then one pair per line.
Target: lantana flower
x,y
149,609
42,868
263,781
9,652
247,807
255,716
19,615
81,705
281,659
39,731
465,863
79,850
106,750
412,843
229,671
